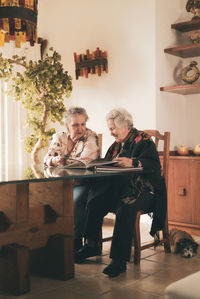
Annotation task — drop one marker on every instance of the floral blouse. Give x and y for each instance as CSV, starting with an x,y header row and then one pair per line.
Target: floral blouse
x,y
86,148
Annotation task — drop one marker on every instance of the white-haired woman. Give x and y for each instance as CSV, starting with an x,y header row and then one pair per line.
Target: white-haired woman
x,y
77,142
124,195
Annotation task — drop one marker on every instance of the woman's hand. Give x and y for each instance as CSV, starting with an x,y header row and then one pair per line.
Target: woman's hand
x,y
123,161
58,161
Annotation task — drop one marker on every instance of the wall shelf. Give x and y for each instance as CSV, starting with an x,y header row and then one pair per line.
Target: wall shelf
x,y
192,50
183,89
187,26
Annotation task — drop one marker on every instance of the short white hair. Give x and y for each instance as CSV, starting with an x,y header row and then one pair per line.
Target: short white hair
x,y
75,110
120,117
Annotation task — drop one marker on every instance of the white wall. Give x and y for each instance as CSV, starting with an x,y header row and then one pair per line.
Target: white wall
x,y
176,113
126,30
134,33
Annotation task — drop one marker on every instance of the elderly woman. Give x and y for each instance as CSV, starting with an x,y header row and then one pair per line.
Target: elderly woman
x,y
124,195
78,142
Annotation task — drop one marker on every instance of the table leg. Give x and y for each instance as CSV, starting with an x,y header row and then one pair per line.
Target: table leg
x,y
14,269
56,258
46,244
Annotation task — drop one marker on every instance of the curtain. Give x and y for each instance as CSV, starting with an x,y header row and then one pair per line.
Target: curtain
x,y
12,117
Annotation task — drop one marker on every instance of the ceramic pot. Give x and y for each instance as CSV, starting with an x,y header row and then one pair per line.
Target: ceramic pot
x,y
182,150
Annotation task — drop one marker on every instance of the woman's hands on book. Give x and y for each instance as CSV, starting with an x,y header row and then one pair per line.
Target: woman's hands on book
x,y
123,161
58,161
61,160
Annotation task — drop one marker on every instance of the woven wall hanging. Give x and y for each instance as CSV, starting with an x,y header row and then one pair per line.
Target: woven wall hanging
x,y
90,63
18,21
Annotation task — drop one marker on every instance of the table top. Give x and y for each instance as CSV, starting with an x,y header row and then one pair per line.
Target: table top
x,y
14,174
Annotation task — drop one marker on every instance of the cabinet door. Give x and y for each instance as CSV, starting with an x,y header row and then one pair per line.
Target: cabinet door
x,y
195,189
179,193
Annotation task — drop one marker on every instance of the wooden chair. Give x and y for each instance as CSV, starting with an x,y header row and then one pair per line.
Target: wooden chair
x,y
157,137
165,139
100,143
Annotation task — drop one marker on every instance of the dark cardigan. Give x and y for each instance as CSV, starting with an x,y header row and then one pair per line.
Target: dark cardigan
x,y
140,147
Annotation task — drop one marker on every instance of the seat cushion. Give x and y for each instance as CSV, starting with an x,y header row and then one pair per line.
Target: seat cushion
x,y
186,288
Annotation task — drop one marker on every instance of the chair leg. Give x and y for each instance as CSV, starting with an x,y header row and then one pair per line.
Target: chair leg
x,y
166,237
136,239
100,243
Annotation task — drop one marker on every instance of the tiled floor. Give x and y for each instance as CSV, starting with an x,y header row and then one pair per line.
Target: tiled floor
x,y
145,281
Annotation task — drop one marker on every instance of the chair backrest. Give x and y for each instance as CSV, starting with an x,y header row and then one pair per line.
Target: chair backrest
x,y
165,138
100,143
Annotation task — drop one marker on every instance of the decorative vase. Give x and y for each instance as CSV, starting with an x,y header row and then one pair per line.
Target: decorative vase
x,y
182,150
196,150
193,6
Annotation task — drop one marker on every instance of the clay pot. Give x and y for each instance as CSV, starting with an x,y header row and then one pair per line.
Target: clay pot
x,y
196,150
182,150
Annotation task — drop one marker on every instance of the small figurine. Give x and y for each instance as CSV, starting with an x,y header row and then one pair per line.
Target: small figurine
x,y
194,36
193,6
195,74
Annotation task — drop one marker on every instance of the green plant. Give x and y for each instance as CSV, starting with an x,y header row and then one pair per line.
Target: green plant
x,y
41,88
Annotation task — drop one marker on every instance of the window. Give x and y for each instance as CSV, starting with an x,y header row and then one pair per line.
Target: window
x,y
12,116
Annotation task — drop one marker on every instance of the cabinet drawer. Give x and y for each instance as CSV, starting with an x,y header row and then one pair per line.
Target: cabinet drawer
x,y
180,207
195,189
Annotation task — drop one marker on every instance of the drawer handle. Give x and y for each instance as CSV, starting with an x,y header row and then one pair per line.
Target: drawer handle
x,y
33,229
181,191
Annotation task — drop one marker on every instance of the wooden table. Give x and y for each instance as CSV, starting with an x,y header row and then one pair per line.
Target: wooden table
x,y
36,226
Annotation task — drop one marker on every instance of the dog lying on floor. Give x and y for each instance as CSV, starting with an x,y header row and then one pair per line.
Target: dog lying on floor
x,y
183,243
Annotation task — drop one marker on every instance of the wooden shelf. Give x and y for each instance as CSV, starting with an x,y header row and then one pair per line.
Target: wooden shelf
x,y
187,26
182,89
192,50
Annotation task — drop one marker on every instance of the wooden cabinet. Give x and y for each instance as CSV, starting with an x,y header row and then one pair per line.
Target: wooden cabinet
x,y
184,193
186,51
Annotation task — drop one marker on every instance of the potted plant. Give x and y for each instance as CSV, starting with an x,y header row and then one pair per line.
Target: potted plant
x,y
41,88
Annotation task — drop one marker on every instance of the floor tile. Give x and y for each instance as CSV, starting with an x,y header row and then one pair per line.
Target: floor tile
x,y
129,293
146,280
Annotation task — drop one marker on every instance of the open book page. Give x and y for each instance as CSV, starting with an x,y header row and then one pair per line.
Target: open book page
x,y
117,169
73,163
51,171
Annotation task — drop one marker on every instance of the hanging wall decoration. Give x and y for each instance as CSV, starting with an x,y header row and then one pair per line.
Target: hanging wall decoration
x,y
91,63
18,21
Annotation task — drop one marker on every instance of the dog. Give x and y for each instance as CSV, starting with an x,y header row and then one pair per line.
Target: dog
x,y
183,243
